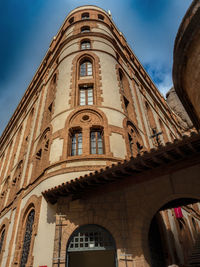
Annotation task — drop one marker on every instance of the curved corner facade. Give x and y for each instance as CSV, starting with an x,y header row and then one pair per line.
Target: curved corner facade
x,y
90,105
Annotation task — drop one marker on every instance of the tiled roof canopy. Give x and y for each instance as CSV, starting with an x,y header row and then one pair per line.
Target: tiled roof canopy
x,y
164,156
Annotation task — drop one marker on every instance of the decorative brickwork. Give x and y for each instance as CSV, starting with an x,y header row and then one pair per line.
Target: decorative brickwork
x,y
32,204
4,227
77,81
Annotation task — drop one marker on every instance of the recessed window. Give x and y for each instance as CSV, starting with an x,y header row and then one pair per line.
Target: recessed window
x,y
96,141
86,68
2,239
85,29
85,16
100,17
76,143
126,103
86,95
71,20
85,45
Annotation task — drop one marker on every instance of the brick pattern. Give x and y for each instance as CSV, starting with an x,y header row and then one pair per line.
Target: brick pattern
x,y
33,203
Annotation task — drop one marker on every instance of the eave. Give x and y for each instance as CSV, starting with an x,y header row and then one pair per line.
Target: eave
x,y
185,150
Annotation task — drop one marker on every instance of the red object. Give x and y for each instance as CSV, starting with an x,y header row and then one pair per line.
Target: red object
x,y
178,212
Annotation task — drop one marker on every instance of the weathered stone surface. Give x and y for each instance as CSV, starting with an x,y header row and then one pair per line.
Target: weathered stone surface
x,y
176,105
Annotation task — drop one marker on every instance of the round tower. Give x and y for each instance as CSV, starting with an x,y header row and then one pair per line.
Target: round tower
x,y
88,118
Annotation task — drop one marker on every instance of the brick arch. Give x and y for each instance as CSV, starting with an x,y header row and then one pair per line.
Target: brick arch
x,y
112,227
145,217
97,119
49,101
34,202
41,155
86,39
132,130
15,182
4,225
126,94
94,80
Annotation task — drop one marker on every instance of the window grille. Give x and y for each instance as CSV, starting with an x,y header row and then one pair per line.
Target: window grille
x,y
91,237
27,238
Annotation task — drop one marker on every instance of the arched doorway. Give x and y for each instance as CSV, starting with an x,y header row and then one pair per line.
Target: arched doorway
x,y
170,238
89,246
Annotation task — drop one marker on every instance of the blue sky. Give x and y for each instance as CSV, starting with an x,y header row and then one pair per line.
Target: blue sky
x,y
28,26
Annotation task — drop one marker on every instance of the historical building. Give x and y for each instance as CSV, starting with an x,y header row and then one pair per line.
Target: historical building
x,y
91,162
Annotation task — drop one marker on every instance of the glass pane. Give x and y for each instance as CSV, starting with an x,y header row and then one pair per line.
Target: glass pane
x,y
73,145
100,143
89,68
82,97
90,96
85,45
79,143
93,142
83,69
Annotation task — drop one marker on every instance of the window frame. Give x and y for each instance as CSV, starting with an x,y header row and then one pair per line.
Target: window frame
x,y
85,45
85,89
101,17
85,29
85,15
74,135
97,148
85,68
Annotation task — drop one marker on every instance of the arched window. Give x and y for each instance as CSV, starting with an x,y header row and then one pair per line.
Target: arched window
x,y
2,236
86,95
76,142
91,245
96,141
85,45
27,238
71,20
100,17
135,144
85,16
85,29
86,68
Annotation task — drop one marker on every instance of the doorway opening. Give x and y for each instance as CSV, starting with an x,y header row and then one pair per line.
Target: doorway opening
x,y
89,246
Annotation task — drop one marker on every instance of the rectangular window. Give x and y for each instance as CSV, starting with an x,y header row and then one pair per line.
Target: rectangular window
x,y
76,143
86,96
96,142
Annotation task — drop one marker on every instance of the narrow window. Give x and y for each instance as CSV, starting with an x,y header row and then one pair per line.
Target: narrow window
x,y
100,17
121,81
2,239
85,45
71,20
126,103
130,139
96,142
86,69
85,16
86,95
85,29
27,238
76,141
